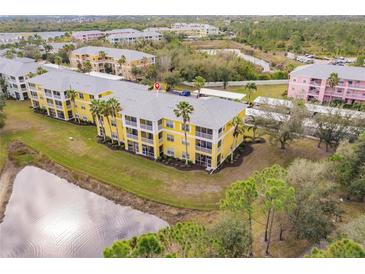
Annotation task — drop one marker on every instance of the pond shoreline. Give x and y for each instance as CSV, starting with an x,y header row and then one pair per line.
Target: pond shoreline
x,y
170,214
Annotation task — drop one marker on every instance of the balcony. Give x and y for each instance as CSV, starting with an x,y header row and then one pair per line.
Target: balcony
x,y
356,95
315,82
48,95
204,135
147,140
131,123
203,149
59,106
57,96
132,136
145,126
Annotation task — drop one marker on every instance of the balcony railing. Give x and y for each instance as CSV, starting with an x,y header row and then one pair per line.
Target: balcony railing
x,y
204,135
131,123
148,127
203,149
161,140
159,127
132,136
356,95
315,83
50,104
147,140
57,96
49,95
59,106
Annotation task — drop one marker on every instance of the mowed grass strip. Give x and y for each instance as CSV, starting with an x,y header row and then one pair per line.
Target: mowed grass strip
x,y
143,177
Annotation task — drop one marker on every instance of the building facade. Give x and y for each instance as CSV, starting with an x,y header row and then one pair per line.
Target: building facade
x,y
195,30
134,37
146,124
311,83
15,73
110,61
88,35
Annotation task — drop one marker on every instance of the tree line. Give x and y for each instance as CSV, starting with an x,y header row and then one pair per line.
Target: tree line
x,y
301,202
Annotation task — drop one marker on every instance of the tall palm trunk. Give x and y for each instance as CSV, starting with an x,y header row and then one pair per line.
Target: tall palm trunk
x,y
102,126
270,232
232,149
116,126
251,236
267,224
110,129
186,146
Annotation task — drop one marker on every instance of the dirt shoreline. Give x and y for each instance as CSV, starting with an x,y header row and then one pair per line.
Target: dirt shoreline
x,y
168,213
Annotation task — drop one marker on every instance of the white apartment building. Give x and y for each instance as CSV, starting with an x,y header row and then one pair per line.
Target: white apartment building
x,y
15,72
132,37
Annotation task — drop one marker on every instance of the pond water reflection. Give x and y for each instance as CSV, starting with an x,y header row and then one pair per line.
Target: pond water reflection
x,y
49,217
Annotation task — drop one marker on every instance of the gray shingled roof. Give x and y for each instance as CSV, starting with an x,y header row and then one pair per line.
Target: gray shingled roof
x,y
17,66
113,52
136,100
323,71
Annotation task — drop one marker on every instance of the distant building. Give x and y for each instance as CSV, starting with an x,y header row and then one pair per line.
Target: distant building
x,y
310,82
121,31
111,62
15,72
134,36
191,30
87,35
195,30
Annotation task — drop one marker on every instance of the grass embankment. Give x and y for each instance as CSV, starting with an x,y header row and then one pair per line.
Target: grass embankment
x,y
145,178
273,91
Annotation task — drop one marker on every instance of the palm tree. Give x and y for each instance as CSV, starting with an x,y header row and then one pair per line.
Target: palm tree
x,y
199,82
121,61
253,127
96,111
250,87
31,74
115,109
333,80
238,129
41,70
71,94
184,110
106,111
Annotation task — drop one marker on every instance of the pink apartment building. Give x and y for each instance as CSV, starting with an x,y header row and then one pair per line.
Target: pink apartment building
x,y
87,35
310,83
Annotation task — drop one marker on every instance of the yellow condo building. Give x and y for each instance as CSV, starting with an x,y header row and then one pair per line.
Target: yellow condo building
x,y
146,124
111,60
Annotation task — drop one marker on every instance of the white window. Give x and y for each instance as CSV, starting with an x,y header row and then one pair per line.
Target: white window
x,y
169,124
170,137
170,152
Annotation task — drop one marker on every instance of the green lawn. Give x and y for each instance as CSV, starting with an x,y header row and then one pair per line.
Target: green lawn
x,y
146,178
273,91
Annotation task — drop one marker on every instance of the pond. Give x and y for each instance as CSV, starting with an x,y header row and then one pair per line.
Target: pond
x,y
48,217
